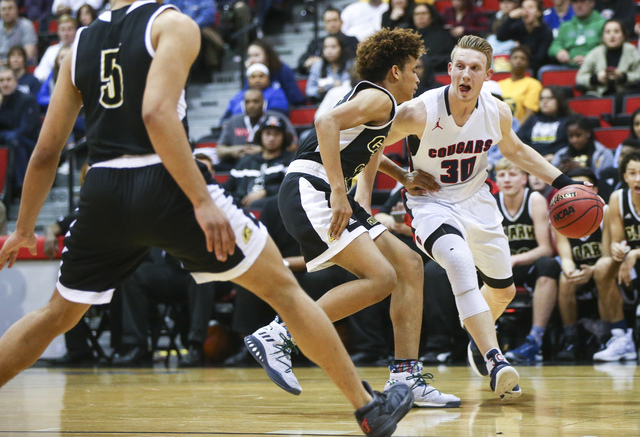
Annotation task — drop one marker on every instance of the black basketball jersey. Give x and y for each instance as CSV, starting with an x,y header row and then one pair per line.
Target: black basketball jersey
x,y
630,219
587,250
357,144
518,228
110,64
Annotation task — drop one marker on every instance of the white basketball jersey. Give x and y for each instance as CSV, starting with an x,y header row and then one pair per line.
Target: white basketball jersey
x,y
455,155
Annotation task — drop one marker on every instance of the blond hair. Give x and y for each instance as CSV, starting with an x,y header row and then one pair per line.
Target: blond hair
x,y
505,164
473,42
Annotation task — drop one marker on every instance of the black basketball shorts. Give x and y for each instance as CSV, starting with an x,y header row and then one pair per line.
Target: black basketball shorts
x,y
128,205
306,212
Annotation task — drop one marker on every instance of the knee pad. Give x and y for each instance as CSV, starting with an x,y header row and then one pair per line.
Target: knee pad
x,y
454,255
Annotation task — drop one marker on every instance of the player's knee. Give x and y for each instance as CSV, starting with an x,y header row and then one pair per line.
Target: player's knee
x,y
411,268
452,253
504,294
604,271
385,279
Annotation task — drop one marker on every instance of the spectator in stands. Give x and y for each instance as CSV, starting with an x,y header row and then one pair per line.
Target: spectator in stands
x,y
398,14
258,78
583,149
501,47
428,22
424,71
612,68
46,89
463,18
19,124
332,25
261,52
203,12
161,279
623,10
526,224
561,12
236,139
71,7
578,36
27,82
525,25
331,71
577,259
520,91
617,269
334,95
633,138
16,31
67,27
546,130
38,10
363,18
257,177
87,14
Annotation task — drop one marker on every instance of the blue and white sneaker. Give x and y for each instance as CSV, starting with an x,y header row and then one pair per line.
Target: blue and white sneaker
x,y
528,353
271,346
476,360
504,377
424,394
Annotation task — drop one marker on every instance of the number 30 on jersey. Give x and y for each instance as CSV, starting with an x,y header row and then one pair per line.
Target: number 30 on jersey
x,y
111,89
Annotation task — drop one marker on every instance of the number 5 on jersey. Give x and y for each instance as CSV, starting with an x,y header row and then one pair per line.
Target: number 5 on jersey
x,y
111,78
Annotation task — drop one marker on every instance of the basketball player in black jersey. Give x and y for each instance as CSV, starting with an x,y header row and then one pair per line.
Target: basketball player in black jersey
x,y
145,189
334,227
526,224
578,257
619,262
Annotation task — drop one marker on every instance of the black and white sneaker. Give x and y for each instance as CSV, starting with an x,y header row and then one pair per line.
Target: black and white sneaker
x,y
380,417
271,346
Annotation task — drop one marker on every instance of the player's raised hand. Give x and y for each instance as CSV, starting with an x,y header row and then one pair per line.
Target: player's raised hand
x,y
217,230
14,243
340,213
418,182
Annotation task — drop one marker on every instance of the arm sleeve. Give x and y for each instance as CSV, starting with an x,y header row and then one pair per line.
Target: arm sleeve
x,y
290,86
587,69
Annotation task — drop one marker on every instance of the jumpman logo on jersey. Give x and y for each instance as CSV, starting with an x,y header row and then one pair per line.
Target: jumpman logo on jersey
x,y
437,125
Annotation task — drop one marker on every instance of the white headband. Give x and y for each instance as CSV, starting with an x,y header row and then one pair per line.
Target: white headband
x,y
258,67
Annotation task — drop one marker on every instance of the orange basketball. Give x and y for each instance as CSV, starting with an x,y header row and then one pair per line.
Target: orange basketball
x,y
576,211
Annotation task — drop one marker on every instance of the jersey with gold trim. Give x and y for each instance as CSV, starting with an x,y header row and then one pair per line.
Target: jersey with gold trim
x,y
630,218
518,228
357,144
108,57
456,155
587,250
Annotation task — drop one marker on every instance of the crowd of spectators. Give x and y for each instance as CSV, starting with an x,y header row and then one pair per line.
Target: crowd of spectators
x,y
257,142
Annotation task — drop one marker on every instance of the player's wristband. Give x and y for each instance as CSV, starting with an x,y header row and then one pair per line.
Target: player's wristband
x,y
563,180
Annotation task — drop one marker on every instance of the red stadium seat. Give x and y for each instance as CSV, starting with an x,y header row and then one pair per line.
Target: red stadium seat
x,y
302,85
211,144
631,103
490,5
611,137
562,78
53,26
384,182
4,166
397,148
443,78
593,107
302,116
442,5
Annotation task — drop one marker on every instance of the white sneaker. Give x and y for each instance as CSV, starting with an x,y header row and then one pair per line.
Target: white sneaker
x,y
424,394
619,347
271,346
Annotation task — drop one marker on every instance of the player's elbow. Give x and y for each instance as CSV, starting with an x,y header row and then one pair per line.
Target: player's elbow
x,y
155,113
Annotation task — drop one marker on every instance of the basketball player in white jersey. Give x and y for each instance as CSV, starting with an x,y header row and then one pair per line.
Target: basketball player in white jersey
x,y
459,226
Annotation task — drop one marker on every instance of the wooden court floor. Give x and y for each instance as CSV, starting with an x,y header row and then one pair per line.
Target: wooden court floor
x,y
557,401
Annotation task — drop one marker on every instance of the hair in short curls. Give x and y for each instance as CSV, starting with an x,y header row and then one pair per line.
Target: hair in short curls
x,y
386,48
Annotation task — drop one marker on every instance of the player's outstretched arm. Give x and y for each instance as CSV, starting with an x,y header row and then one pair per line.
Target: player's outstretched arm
x,y
63,110
369,106
521,154
176,39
